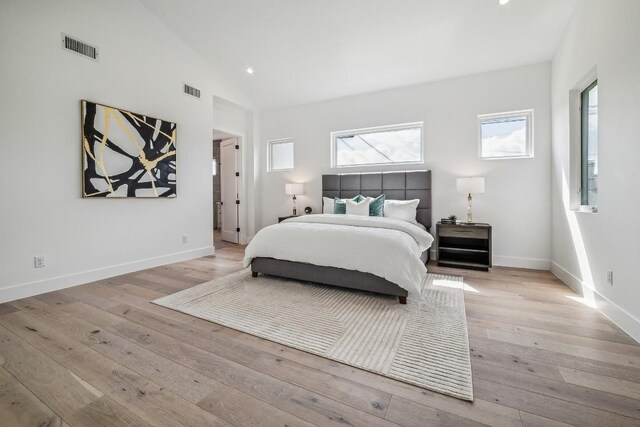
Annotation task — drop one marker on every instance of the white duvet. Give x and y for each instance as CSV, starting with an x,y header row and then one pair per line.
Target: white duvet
x,y
388,248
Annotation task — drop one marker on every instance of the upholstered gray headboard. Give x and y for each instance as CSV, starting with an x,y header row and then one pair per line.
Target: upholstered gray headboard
x,y
394,185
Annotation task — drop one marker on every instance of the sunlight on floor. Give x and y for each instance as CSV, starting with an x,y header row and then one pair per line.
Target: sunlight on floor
x,y
578,242
588,299
454,284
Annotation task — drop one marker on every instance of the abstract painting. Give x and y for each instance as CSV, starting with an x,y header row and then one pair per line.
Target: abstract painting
x,y
125,154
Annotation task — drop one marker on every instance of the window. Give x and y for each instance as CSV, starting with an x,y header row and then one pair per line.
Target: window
x,y
506,135
215,167
281,154
377,146
589,146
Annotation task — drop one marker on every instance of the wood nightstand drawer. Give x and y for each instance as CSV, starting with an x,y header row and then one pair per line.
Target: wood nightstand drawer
x,y
468,232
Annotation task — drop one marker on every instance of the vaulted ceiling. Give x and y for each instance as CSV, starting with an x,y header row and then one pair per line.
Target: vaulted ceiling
x,y
309,50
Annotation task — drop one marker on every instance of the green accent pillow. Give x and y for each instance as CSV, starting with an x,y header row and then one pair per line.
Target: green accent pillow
x,y
376,206
340,207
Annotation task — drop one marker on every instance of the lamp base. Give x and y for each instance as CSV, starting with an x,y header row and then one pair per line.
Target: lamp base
x,y
294,205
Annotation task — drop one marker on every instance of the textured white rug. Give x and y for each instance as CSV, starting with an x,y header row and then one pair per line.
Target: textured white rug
x,y
424,342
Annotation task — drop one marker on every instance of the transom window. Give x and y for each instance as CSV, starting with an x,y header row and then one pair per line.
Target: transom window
x,y
589,146
506,135
397,144
280,155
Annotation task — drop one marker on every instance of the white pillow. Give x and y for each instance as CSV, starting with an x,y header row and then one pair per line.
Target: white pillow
x,y
328,205
358,208
406,210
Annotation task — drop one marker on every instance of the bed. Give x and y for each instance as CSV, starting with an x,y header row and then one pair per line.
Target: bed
x,y
287,249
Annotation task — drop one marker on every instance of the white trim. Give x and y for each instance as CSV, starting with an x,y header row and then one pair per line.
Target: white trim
x,y
24,290
622,318
585,209
497,117
519,262
402,126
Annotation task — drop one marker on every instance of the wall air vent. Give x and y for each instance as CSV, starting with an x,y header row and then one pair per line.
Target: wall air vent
x,y
190,90
81,48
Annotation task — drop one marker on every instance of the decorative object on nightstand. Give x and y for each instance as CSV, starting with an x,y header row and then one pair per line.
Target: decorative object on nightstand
x,y
292,189
282,218
471,185
308,210
464,245
451,219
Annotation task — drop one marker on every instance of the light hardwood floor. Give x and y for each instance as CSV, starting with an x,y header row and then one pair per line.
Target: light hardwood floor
x,y
101,354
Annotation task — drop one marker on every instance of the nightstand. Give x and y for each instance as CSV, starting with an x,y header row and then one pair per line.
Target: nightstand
x,y
282,218
464,245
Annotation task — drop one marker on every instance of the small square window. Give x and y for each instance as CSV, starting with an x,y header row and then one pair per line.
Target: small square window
x,y
506,135
280,154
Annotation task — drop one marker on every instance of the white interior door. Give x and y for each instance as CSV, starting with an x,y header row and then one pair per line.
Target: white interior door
x,y
229,189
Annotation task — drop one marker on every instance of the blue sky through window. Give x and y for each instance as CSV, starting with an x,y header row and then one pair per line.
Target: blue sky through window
x,y
389,146
504,137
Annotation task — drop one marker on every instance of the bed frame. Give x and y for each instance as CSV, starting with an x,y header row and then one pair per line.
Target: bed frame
x,y
395,185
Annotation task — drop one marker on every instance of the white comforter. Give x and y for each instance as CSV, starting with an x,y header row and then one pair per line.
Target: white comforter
x,y
386,247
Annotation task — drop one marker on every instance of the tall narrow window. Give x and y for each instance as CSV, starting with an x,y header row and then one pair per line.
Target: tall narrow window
x,y
280,154
589,145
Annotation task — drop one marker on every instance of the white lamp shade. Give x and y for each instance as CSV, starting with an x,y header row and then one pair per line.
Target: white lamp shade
x,y
472,185
294,189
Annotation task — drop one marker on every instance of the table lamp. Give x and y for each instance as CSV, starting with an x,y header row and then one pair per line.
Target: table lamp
x,y
471,185
293,189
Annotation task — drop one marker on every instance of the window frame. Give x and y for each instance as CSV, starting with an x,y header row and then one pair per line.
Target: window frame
x,y
403,126
584,146
497,117
270,144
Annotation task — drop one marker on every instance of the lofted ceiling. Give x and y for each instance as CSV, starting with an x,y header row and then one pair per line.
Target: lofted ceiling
x,y
309,50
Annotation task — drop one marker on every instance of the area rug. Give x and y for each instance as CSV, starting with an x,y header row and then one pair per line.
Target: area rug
x,y
424,342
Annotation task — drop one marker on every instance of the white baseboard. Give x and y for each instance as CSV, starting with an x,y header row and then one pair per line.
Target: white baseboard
x,y
24,290
622,318
518,262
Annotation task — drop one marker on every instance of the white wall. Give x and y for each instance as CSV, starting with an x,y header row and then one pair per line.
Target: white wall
x,y
141,68
517,198
605,35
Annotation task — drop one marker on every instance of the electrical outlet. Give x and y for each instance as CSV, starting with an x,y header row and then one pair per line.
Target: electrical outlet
x,y
185,239
610,277
39,261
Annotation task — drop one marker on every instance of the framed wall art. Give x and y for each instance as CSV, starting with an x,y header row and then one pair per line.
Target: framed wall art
x,y
126,154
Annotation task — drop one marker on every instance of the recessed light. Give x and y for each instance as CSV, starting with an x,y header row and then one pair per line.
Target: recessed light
x,y
250,70
503,2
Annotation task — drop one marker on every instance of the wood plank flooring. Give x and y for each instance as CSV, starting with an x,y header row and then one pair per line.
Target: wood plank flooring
x,y
101,354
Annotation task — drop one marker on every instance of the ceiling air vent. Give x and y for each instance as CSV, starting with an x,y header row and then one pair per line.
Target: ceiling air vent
x,y
190,90
81,48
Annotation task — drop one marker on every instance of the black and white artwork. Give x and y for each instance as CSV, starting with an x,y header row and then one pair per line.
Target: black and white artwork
x,y
125,154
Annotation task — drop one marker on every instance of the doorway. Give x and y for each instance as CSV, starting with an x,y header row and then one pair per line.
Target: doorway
x,y
226,189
